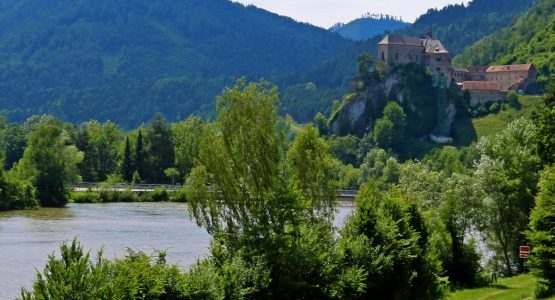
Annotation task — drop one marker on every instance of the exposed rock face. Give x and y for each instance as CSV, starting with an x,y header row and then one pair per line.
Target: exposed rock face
x,y
427,108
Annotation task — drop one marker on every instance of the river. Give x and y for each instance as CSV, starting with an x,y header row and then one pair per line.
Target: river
x,y
28,237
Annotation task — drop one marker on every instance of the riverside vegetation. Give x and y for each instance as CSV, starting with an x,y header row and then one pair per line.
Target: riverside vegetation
x,y
413,233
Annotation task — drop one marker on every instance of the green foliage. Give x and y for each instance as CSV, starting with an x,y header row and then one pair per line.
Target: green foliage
x,y
459,25
494,108
127,164
159,150
384,131
508,173
260,219
542,235
344,148
368,27
513,100
75,276
186,136
546,127
311,170
49,164
387,238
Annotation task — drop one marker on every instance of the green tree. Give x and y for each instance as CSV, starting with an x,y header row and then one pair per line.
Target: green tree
x,y
383,133
47,163
240,194
127,164
139,157
186,136
102,144
546,127
542,234
311,166
508,173
159,150
14,140
387,238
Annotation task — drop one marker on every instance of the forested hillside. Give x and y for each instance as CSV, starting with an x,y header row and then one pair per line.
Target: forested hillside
x,y
458,26
530,39
369,26
126,60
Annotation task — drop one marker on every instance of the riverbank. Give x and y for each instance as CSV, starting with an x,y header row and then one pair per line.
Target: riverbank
x,y
114,196
513,288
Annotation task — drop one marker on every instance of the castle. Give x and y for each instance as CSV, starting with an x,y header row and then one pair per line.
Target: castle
x,y
484,84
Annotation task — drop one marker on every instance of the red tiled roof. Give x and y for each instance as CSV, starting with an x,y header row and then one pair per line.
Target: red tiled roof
x,y
481,85
509,68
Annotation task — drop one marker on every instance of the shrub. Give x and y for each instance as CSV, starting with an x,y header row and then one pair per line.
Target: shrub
x,y
85,197
158,195
513,100
494,108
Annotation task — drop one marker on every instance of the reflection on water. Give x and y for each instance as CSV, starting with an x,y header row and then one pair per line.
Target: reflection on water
x,y
27,237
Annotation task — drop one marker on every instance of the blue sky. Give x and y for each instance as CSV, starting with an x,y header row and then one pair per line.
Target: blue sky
x,y
325,13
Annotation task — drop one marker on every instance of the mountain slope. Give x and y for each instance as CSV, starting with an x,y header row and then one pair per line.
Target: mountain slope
x,y
458,26
530,39
368,27
127,59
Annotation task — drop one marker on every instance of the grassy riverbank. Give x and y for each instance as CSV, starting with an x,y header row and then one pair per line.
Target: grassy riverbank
x,y
513,288
109,196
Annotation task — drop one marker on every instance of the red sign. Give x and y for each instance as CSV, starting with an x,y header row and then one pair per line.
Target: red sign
x,y
524,251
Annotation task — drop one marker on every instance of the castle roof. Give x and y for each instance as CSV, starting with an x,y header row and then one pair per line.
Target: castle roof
x,y
401,40
477,69
510,68
481,86
432,45
460,70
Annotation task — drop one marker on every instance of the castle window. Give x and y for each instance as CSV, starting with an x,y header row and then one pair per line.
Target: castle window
x,y
438,58
383,56
438,69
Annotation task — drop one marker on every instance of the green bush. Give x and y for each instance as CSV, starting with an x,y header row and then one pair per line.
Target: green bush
x,y
158,195
178,196
137,276
494,108
85,197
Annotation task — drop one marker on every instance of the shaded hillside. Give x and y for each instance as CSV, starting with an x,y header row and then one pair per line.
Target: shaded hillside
x,y
127,59
530,39
368,27
458,26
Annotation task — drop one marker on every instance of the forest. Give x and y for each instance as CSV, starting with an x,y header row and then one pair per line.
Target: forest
x,y
415,231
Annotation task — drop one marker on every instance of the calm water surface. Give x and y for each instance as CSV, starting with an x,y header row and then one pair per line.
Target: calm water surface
x,y
28,237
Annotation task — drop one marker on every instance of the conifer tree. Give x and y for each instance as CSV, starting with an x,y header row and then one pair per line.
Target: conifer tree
x,y
127,165
139,156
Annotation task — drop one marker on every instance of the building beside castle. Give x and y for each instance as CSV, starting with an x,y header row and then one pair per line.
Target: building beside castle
x,y
484,83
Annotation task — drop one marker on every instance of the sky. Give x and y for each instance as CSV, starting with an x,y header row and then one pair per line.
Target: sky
x,y
325,13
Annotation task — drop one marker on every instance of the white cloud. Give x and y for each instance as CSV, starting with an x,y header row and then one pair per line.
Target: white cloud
x,y
325,13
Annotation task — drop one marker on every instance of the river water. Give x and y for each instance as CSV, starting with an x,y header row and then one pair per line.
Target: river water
x,y
28,237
